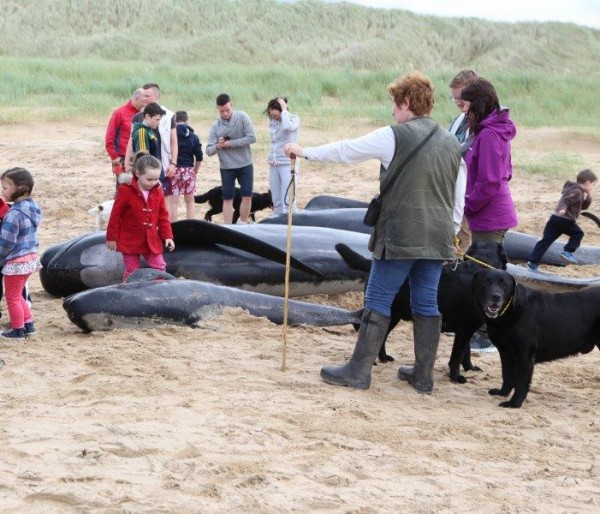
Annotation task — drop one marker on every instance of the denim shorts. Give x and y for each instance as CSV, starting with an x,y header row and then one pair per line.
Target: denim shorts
x,y
244,177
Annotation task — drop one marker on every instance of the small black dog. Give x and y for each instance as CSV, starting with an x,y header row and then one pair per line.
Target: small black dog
x,y
214,197
529,326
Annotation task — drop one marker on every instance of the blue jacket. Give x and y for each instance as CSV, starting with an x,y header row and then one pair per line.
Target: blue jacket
x,y
189,146
18,235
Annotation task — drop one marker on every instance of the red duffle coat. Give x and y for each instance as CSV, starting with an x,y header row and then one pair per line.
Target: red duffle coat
x,y
139,226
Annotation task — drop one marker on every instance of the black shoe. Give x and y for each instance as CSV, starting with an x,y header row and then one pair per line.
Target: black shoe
x,y
13,333
29,329
481,344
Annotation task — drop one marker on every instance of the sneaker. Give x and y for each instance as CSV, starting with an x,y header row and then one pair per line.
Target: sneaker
x,y
14,333
568,256
29,329
481,344
532,266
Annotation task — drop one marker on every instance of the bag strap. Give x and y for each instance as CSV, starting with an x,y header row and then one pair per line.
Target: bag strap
x,y
414,152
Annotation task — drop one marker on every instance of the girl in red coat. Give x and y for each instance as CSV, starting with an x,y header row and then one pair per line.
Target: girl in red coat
x,y
139,221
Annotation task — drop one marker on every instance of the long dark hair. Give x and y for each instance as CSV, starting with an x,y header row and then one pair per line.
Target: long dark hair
x,y
484,101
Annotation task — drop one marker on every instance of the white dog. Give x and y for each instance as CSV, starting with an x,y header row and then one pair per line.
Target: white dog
x,y
102,213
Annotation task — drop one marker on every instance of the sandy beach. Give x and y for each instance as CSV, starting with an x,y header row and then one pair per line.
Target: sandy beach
x,y
182,420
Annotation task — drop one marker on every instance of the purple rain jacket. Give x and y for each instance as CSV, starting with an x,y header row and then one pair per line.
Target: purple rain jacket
x,y
488,202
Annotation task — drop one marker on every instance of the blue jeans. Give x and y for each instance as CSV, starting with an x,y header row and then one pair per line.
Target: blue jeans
x,y
245,178
387,276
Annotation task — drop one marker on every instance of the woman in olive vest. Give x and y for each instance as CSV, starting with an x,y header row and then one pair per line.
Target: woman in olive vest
x,y
414,233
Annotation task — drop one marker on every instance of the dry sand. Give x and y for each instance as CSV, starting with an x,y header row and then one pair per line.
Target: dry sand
x,y
203,420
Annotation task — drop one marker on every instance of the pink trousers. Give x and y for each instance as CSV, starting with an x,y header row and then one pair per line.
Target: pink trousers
x,y
133,262
19,312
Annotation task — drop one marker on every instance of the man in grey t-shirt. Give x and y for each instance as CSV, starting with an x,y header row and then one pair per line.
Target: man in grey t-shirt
x,y
230,138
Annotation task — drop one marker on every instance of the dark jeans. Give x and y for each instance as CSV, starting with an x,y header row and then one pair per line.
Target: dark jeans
x,y
555,227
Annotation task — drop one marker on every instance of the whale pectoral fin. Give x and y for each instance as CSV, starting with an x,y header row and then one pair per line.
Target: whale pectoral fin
x,y
198,232
353,259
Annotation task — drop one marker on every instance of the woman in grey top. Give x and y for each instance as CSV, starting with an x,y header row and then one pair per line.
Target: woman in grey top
x,y
283,128
414,233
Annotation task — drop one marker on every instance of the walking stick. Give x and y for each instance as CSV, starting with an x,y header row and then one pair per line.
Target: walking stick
x,y
288,253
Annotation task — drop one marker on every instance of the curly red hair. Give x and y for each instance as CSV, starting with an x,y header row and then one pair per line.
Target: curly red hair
x,y
415,87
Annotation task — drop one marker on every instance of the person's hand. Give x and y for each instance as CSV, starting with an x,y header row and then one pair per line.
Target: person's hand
x,y
223,143
293,148
282,103
170,244
171,170
561,212
456,243
111,245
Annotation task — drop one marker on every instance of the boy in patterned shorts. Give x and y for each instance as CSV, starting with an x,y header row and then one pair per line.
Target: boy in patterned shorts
x,y
189,160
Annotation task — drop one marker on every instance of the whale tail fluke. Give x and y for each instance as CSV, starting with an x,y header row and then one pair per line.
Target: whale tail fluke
x,y
591,216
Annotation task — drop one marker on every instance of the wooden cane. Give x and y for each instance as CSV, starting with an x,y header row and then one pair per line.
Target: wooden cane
x,y
288,254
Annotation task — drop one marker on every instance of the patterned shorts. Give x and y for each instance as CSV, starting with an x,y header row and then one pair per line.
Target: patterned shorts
x,y
183,182
22,268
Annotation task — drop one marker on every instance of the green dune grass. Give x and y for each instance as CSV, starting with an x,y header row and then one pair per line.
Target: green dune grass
x,y
76,59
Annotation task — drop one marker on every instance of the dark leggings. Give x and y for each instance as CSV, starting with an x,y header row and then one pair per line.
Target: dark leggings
x,y
555,227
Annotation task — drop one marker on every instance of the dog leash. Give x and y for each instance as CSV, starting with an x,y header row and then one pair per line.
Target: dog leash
x,y
481,263
288,253
471,258
508,304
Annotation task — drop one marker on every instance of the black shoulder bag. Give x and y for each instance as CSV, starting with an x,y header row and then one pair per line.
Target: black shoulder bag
x,y
374,208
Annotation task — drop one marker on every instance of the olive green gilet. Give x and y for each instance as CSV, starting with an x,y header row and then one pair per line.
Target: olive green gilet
x,y
416,214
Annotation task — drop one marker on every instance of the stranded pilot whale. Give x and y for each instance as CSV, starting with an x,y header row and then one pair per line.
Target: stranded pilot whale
x,y
145,301
321,202
517,245
250,257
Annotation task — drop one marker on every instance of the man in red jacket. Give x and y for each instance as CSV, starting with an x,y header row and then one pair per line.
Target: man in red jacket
x,y
119,129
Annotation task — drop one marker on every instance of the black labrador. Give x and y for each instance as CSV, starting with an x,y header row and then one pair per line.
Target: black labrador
x,y
214,197
460,314
529,326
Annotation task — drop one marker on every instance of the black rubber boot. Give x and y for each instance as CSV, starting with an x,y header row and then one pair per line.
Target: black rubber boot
x,y
357,371
427,338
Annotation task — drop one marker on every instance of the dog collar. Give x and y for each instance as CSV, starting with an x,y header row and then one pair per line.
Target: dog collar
x,y
506,306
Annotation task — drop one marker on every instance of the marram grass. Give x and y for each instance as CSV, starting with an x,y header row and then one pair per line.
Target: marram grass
x,y
61,89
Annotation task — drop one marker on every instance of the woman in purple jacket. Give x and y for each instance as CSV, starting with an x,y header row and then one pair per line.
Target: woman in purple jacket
x,y
489,207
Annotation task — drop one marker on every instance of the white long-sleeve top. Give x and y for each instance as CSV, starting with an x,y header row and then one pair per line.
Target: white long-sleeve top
x,y
381,145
